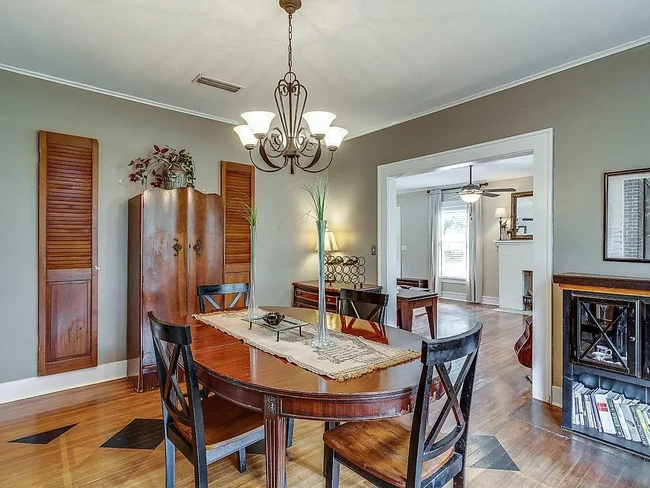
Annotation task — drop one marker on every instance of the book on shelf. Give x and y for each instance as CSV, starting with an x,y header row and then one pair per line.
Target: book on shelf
x,y
611,413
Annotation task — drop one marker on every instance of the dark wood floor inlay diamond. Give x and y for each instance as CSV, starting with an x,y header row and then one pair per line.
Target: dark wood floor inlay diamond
x,y
44,437
138,434
485,451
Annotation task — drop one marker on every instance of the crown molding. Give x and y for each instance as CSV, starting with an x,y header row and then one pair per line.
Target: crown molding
x,y
512,84
110,93
460,101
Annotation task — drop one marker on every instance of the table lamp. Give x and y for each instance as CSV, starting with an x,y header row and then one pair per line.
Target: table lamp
x,y
330,242
501,214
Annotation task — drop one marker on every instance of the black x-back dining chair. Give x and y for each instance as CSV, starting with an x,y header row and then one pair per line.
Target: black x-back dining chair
x,y
404,452
207,292
204,429
364,305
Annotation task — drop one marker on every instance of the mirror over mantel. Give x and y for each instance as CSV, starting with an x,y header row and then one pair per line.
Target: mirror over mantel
x,y
626,235
522,215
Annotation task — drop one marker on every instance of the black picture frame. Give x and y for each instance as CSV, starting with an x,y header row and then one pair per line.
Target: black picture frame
x,y
606,179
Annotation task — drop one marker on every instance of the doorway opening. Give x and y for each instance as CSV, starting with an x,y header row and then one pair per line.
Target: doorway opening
x,y
539,145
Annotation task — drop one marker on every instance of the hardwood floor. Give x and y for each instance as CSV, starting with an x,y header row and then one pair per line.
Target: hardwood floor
x,y
506,449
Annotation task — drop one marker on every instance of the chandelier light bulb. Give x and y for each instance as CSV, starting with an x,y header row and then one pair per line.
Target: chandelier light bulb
x,y
259,122
246,136
319,122
334,137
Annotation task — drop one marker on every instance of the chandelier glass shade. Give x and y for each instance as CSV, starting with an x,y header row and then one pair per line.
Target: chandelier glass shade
x,y
299,139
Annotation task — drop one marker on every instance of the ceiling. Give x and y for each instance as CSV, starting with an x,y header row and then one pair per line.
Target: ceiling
x,y
373,62
502,169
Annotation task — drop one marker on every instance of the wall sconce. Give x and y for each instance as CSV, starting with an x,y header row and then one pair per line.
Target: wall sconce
x,y
501,214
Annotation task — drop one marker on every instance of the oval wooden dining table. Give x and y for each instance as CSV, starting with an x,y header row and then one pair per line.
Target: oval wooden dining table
x,y
281,390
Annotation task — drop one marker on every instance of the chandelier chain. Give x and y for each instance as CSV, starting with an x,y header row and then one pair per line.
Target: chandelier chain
x,y
290,50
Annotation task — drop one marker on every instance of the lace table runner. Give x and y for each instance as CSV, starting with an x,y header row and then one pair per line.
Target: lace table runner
x,y
347,357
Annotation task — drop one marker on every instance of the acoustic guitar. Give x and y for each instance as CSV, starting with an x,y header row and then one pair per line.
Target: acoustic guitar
x,y
524,345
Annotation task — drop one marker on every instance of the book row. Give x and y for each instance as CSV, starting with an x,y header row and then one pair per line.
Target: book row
x,y
610,412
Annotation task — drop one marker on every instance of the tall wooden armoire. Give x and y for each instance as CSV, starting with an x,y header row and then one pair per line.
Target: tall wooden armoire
x,y
176,242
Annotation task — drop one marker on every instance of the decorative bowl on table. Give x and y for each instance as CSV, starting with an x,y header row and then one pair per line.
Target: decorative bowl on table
x,y
273,318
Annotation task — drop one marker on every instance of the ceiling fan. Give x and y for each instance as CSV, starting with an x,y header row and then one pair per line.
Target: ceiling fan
x,y
472,191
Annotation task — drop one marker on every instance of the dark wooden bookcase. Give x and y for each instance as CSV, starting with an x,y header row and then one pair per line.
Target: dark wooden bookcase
x,y
613,313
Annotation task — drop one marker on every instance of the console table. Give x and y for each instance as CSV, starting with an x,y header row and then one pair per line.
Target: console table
x,y
305,293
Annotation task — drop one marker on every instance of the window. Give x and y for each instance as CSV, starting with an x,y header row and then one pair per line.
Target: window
x,y
454,242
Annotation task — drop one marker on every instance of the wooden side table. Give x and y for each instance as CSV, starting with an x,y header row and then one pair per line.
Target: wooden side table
x,y
305,293
408,300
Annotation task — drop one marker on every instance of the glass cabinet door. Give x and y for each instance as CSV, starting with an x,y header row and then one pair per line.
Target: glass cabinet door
x,y
606,333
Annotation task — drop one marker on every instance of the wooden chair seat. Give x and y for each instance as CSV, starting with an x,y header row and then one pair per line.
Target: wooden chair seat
x,y
381,448
225,422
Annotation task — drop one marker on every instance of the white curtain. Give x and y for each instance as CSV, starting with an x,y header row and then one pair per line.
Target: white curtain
x,y
435,245
475,252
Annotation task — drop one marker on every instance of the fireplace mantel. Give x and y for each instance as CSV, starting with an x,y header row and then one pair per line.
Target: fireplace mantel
x,y
515,257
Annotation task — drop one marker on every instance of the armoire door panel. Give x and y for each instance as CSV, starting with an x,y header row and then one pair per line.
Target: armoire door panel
x,y
68,200
206,244
164,235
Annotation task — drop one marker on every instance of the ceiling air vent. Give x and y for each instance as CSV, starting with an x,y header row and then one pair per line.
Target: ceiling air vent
x,y
218,84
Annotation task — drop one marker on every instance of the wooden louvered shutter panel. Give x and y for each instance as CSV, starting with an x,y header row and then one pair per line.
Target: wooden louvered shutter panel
x,y
237,189
67,328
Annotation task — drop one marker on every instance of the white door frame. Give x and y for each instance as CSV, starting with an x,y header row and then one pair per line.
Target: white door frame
x,y
540,144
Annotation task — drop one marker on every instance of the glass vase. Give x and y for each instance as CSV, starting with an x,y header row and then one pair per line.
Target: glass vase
x,y
253,310
321,339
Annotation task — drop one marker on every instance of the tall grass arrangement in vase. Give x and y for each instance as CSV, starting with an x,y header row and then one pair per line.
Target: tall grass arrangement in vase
x,y
318,197
250,214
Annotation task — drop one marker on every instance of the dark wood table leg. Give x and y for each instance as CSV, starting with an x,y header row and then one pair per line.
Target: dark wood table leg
x,y
275,434
406,316
432,316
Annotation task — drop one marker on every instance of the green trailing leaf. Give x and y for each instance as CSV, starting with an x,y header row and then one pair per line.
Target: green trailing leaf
x,y
318,196
250,214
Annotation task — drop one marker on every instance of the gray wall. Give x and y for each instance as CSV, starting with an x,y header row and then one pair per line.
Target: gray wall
x,y
125,130
600,115
415,213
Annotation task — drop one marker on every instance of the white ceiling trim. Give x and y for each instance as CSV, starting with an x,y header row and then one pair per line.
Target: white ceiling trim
x,y
541,74
165,106
110,93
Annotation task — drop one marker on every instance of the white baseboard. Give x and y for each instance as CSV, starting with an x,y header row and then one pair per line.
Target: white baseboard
x,y
490,300
556,396
461,297
450,295
42,385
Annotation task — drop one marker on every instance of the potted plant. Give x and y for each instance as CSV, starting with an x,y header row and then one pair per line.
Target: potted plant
x,y
164,168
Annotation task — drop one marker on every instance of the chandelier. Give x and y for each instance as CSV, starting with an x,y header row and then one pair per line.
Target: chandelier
x,y
291,142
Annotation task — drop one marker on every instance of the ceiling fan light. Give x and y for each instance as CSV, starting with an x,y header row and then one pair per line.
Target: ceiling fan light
x,y
246,136
259,122
334,137
319,122
470,197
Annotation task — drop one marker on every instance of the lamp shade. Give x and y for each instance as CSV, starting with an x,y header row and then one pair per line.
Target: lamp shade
x,y
500,213
330,242
334,137
259,122
470,197
246,136
319,122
